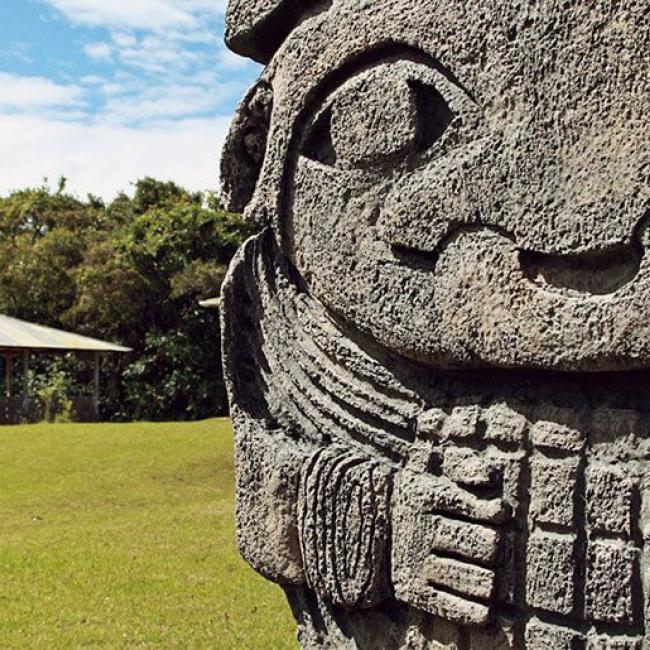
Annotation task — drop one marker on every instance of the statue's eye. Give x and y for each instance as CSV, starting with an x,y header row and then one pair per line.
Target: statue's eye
x,y
376,118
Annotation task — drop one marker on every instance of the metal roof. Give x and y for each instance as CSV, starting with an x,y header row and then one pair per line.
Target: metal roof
x,y
211,303
19,335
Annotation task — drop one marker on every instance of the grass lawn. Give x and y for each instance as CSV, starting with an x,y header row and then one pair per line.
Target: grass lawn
x,y
115,535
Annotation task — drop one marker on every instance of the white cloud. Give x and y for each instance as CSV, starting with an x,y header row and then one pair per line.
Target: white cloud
x,y
170,101
91,80
105,159
159,54
98,51
155,109
151,15
124,40
28,93
231,61
114,88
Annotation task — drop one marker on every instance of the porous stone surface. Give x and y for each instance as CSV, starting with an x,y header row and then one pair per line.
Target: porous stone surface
x,y
437,350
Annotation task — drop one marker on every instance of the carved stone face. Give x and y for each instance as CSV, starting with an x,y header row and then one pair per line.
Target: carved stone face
x,y
468,183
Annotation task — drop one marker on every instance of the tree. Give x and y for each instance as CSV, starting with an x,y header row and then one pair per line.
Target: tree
x,y
133,272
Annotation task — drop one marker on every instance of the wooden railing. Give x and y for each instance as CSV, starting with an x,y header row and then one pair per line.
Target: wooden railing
x,y
16,410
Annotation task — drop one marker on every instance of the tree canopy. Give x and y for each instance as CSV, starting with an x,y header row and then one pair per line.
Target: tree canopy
x,y
132,272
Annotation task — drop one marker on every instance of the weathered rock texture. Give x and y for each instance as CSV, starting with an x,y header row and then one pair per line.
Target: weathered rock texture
x,y
437,350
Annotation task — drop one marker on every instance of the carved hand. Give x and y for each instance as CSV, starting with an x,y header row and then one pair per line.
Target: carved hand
x,y
447,541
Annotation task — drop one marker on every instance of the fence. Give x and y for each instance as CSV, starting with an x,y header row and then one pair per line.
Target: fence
x,y
15,410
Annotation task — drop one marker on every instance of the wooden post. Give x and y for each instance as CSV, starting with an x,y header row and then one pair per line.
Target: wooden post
x,y
26,414
96,386
25,374
8,375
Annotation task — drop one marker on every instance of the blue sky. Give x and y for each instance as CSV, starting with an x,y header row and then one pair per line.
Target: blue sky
x,y
107,91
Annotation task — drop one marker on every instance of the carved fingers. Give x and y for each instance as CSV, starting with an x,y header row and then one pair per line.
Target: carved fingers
x,y
447,540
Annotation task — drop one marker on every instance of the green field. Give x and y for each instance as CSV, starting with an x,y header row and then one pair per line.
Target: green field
x,y
118,535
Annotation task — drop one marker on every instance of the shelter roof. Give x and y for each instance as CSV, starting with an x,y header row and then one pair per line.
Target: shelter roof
x,y
18,336
211,303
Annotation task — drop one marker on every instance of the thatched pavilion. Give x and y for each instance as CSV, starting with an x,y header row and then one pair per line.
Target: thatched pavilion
x,y
21,340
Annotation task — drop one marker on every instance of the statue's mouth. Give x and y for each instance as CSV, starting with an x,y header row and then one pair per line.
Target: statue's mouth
x,y
494,302
596,274
582,274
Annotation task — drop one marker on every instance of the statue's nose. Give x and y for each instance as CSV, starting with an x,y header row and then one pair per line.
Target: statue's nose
x,y
543,206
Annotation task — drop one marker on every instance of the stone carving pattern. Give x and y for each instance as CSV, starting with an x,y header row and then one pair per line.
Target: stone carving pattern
x,y
433,448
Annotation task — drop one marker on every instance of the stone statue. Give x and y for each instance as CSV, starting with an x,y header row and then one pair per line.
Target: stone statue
x,y
437,349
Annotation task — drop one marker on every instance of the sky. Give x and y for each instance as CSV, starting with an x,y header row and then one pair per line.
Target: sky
x,y
105,92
